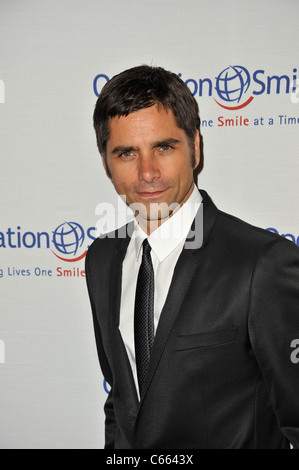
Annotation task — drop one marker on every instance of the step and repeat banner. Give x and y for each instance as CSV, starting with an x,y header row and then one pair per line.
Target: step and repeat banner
x,y
240,60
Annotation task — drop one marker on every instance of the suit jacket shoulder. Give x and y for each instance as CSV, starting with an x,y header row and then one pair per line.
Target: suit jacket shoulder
x,y
104,247
237,235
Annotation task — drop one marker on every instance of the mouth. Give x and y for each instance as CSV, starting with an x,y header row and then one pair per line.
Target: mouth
x,y
151,194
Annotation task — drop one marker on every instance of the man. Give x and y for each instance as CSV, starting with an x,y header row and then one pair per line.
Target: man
x,y
194,310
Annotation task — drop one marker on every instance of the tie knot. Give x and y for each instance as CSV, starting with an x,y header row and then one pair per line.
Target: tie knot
x,y
146,247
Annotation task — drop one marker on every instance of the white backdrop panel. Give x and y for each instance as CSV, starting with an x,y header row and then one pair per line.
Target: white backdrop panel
x,y
51,178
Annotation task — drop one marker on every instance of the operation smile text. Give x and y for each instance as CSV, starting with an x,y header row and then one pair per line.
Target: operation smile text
x,y
262,83
230,90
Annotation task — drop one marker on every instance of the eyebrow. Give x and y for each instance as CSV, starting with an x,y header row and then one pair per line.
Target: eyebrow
x,y
158,143
123,148
165,142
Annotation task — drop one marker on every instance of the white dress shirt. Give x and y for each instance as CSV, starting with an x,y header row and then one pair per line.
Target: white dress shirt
x,y
167,242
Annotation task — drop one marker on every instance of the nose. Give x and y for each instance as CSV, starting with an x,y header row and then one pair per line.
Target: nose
x,y
148,169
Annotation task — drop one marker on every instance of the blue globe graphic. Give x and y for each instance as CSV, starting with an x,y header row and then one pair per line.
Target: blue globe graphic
x,y
68,238
232,83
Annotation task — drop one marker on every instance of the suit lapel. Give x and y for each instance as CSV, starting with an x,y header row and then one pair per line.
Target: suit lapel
x,y
181,280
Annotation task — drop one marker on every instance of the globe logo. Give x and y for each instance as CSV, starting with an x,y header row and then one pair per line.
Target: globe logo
x,y
232,83
68,238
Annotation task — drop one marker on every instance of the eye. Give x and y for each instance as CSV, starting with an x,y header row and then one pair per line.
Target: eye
x,y
165,148
125,154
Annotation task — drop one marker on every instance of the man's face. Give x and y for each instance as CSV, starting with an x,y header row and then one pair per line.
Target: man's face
x,y
149,158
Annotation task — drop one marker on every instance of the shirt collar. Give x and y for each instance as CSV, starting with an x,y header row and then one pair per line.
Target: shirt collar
x,y
172,232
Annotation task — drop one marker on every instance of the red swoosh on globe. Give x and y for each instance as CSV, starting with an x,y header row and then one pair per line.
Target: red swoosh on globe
x,y
234,108
71,260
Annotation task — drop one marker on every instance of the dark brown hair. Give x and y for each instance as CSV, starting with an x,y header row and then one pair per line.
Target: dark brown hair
x,y
142,87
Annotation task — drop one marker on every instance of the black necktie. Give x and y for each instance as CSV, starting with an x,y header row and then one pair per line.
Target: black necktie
x,y
144,315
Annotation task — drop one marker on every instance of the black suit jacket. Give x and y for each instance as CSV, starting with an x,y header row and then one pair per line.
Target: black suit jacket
x,y
220,374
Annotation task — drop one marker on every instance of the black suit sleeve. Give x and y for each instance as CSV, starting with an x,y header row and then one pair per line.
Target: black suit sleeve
x,y
273,326
110,422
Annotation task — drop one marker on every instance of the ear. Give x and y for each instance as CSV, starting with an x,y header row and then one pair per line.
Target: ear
x,y
196,150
